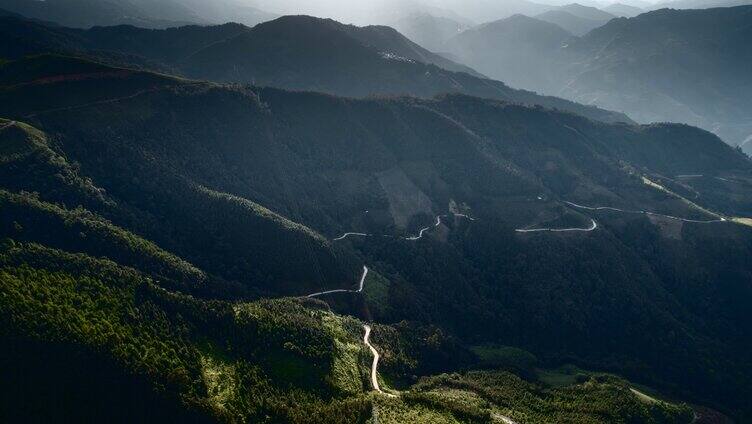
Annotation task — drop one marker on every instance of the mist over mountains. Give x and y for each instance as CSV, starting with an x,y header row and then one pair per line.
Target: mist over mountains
x,y
688,66
433,211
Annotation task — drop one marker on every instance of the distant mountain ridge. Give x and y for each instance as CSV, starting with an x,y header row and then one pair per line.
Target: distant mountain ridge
x,y
294,52
429,31
519,49
576,18
140,13
623,10
573,24
691,66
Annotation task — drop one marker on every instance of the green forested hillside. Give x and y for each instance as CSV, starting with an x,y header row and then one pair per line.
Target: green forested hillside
x,y
196,222
148,221
150,355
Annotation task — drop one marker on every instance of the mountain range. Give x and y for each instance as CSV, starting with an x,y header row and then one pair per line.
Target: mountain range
x,y
623,10
294,52
690,66
519,50
306,221
225,192
429,31
575,18
142,13
671,65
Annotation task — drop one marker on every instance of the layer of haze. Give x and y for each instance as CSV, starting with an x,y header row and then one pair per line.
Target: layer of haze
x,y
387,11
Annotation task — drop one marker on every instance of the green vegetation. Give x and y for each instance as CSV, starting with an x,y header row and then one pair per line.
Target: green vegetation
x,y
145,234
506,357
482,396
501,397
265,361
26,218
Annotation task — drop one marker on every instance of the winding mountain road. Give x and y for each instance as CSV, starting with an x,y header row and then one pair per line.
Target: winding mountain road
x,y
360,286
375,363
462,215
366,327
367,336
592,227
346,235
423,230
701,176
607,208
420,235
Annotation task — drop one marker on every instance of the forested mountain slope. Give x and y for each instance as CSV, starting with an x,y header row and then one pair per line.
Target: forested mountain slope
x,y
88,13
295,52
238,192
141,13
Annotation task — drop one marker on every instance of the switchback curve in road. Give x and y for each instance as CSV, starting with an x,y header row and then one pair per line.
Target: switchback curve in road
x,y
360,286
423,230
346,235
420,235
375,363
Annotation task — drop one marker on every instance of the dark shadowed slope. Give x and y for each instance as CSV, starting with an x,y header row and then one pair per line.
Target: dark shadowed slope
x,y
248,186
387,39
141,13
295,52
88,13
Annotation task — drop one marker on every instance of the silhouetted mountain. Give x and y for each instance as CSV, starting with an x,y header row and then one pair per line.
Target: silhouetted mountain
x,y
623,10
518,50
295,52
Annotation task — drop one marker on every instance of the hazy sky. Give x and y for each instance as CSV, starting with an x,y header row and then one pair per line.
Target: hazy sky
x,y
387,11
